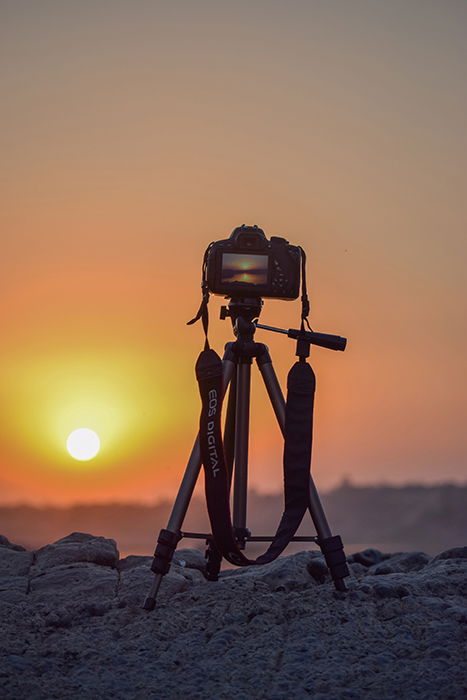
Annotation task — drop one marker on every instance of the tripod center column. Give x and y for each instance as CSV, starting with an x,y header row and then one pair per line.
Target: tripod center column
x,y
242,422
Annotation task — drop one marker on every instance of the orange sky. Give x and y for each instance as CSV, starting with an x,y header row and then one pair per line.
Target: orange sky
x,y
133,135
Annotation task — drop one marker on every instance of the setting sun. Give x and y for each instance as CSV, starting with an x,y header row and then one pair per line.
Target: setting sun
x,y
83,444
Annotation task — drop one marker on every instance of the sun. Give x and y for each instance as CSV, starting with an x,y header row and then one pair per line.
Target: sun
x,y
83,444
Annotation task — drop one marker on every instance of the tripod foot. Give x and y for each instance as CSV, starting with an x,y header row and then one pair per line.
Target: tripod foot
x,y
339,583
149,603
166,545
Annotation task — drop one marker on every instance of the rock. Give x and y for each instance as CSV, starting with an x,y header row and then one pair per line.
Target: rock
x,y
454,553
385,590
75,583
133,561
17,663
439,652
77,547
458,612
192,558
14,562
135,583
445,576
357,569
5,542
402,591
318,569
368,557
406,561
389,590
13,589
77,630
193,576
15,565
284,574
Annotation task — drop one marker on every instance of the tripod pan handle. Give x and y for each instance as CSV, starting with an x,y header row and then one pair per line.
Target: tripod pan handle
x,y
324,340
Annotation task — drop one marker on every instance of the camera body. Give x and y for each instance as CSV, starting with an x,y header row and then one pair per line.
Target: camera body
x,y
249,265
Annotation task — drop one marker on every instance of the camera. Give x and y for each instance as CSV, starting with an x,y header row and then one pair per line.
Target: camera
x,y
249,265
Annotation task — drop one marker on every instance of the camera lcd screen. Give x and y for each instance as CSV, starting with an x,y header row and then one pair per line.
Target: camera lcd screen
x,y
244,268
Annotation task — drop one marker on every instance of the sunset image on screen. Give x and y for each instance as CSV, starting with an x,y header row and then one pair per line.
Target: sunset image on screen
x,y
240,267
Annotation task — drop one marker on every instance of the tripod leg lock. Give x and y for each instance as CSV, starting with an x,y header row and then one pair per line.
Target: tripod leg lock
x,y
242,534
334,554
166,546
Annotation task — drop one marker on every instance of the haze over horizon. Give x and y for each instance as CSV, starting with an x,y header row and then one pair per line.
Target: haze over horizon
x,y
134,135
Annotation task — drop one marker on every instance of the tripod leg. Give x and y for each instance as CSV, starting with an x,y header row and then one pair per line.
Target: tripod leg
x,y
331,547
242,420
169,538
229,431
273,388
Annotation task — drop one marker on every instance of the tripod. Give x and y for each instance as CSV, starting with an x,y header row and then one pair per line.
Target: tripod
x,y
237,363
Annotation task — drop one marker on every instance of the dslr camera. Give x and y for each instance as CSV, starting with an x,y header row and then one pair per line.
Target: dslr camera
x,y
249,265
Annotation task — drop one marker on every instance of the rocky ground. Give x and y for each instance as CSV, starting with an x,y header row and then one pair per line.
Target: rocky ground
x,y
72,626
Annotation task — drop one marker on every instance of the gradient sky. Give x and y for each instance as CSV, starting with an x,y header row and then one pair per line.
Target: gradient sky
x,y
133,134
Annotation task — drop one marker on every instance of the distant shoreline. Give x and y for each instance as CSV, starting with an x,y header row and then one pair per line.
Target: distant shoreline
x,y
414,517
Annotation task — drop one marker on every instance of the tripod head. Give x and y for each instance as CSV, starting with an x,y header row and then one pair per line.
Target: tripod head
x,y
242,312
246,308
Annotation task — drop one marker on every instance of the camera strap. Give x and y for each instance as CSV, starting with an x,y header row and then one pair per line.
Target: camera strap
x,y
203,312
304,298
296,462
